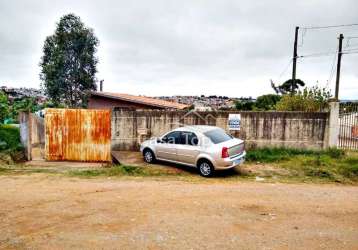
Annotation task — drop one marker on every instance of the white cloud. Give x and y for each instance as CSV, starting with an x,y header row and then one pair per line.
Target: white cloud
x,y
184,47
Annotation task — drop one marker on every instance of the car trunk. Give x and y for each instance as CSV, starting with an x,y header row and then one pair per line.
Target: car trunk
x,y
235,146
236,149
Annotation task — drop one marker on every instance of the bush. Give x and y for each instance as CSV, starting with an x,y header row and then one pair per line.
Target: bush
x,y
267,102
9,138
245,105
4,107
309,100
262,103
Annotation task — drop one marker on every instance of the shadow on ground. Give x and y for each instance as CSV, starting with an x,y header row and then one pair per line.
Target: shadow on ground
x,y
136,159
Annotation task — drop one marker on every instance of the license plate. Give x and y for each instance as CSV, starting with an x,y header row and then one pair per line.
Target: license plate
x,y
237,161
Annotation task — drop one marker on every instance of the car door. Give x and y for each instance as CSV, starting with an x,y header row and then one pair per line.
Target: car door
x,y
167,148
188,148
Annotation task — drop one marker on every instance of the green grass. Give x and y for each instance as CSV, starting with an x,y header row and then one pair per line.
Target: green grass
x,y
274,164
332,165
19,169
122,170
268,155
3,170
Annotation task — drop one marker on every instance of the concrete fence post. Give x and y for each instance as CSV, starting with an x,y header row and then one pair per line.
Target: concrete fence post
x,y
25,133
333,129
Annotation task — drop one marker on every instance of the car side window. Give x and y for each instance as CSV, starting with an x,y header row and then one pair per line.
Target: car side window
x,y
189,138
172,138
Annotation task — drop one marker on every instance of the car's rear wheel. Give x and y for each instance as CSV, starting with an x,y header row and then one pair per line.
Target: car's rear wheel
x,y
148,156
205,168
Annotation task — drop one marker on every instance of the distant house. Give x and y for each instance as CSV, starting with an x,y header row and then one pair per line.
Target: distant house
x,y
107,100
199,106
349,125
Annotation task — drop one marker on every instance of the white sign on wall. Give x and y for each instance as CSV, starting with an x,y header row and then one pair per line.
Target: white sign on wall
x,y
234,121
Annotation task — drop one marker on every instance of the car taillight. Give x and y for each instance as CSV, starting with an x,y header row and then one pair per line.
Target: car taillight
x,y
225,152
242,148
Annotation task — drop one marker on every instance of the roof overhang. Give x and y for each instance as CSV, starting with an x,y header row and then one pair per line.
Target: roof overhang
x,y
122,98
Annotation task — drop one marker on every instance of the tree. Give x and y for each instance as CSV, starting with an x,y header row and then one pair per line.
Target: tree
x,y
308,100
245,105
264,102
4,107
69,62
267,102
27,104
286,87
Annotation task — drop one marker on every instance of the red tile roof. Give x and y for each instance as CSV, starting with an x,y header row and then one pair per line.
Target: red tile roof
x,y
142,100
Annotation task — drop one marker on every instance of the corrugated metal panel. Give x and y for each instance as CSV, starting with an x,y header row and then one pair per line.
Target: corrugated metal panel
x,y
78,135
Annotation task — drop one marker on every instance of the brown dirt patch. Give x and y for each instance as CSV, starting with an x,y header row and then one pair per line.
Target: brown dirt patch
x,y
50,212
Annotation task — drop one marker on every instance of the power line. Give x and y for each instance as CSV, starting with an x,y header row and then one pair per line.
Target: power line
x,y
330,26
285,69
317,54
348,50
349,38
303,34
347,53
333,68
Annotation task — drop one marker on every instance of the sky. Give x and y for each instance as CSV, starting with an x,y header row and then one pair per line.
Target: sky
x,y
164,47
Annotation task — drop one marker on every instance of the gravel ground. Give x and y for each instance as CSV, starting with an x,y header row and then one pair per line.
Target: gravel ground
x,y
42,211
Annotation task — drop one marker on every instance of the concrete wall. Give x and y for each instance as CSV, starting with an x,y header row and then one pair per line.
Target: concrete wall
x,y
32,135
258,129
37,137
25,135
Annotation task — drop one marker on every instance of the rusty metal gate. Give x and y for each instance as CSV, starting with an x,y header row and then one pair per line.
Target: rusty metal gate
x,y
78,135
348,125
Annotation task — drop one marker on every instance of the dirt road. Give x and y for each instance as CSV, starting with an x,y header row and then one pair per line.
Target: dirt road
x,y
51,212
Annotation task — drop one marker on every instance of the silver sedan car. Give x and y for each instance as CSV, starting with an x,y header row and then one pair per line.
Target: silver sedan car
x,y
207,148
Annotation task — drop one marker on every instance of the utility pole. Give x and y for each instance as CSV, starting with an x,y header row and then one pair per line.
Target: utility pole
x,y
101,85
338,65
294,61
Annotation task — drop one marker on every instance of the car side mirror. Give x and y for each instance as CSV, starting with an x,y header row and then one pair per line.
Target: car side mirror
x,y
159,140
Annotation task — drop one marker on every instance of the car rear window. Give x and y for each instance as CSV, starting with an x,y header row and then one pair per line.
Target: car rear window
x,y
218,136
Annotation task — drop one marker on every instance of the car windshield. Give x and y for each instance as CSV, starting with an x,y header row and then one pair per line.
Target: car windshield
x,y
218,136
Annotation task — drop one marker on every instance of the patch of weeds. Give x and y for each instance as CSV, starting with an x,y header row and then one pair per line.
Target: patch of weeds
x,y
353,161
335,153
319,172
351,170
20,170
122,170
131,170
270,155
3,170
275,154
318,160
312,165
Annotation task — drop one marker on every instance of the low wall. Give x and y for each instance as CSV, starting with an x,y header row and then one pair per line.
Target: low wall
x,y
25,135
258,129
32,134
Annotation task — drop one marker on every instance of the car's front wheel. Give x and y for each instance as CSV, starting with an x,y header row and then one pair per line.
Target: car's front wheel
x,y
148,156
205,168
